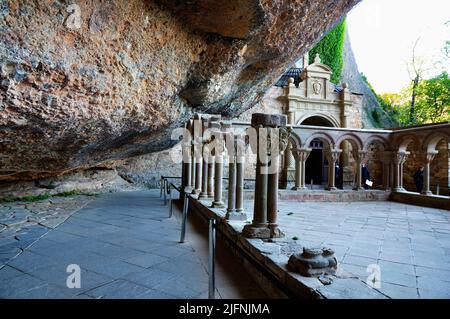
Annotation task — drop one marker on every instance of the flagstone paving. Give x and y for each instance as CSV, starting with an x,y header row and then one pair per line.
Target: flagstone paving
x,y
410,244
125,246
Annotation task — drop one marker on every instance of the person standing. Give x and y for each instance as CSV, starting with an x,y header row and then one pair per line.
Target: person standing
x,y
365,175
418,179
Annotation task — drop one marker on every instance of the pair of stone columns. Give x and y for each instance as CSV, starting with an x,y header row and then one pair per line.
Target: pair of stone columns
x,y
268,149
235,208
332,157
399,160
426,173
300,156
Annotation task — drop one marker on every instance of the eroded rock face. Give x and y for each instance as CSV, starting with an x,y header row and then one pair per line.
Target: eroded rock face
x,y
111,83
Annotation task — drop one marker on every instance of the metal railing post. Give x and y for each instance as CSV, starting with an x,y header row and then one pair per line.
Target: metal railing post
x,y
212,252
170,204
161,181
184,220
165,192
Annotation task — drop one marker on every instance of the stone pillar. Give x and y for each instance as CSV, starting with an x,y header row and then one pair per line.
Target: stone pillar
x,y
204,192
187,167
399,160
218,171
235,209
332,157
360,157
231,186
211,177
240,184
198,175
426,173
266,188
300,172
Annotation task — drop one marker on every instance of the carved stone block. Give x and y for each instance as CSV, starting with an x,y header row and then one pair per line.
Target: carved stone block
x,y
314,262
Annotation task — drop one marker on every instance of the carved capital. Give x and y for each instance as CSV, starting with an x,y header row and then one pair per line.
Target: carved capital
x,y
400,158
333,155
430,156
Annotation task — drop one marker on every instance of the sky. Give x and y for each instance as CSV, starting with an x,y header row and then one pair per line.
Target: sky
x,y
383,33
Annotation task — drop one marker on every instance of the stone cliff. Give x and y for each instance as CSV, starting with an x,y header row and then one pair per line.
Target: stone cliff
x,y
351,75
90,83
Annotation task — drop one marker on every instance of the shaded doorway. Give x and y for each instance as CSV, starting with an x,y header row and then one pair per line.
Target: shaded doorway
x,y
316,169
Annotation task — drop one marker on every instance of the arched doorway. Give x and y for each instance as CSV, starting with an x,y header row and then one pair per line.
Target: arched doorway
x,y
316,171
317,121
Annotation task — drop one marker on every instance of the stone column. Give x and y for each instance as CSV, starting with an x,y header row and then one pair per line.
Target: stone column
x,y
272,198
360,158
231,186
332,157
266,200
300,171
218,171
204,192
192,177
238,198
187,167
399,160
211,177
240,184
426,173
198,175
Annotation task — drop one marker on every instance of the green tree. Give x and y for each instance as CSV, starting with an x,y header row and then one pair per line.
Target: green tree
x,y
330,49
433,100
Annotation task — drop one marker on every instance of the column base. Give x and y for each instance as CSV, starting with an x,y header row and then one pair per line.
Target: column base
x,y
256,231
275,232
203,195
399,189
334,188
210,195
427,193
196,191
359,188
218,205
235,215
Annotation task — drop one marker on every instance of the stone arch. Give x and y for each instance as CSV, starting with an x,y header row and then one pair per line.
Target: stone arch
x,y
373,139
431,141
330,119
321,136
405,141
352,139
295,140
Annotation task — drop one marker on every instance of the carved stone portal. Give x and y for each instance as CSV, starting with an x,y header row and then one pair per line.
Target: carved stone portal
x,y
314,262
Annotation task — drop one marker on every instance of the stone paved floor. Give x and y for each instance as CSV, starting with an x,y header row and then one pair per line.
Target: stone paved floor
x,y
411,244
126,247
22,223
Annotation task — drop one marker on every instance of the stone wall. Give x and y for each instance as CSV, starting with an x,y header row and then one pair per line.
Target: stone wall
x,y
439,168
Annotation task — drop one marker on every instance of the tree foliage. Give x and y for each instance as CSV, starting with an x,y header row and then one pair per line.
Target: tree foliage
x,y
330,49
432,102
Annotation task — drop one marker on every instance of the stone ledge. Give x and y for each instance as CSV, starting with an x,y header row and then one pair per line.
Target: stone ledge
x,y
327,196
433,201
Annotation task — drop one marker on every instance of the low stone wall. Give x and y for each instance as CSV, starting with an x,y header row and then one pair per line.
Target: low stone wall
x,y
441,202
326,196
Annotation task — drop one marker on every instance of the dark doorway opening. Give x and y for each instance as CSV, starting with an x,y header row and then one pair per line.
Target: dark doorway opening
x,y
316,164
